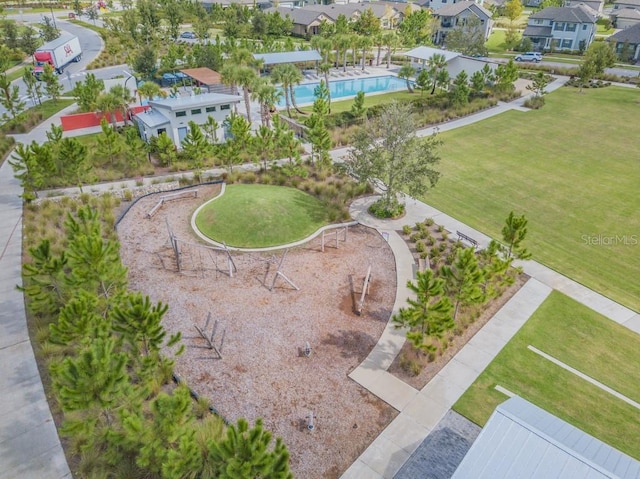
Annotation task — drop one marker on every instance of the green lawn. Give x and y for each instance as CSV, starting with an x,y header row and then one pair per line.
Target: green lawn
x,y
256,216
572,168
588,342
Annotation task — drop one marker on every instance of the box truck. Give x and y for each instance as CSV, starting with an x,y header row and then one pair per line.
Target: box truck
x,y
58,53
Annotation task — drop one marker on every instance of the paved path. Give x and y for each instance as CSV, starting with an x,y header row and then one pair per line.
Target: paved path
x,y
29,443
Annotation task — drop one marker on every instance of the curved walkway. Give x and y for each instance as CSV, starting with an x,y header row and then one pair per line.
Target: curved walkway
x,y
421,411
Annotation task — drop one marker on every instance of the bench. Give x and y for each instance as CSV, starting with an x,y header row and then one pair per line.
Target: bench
x,y
179,194
468,239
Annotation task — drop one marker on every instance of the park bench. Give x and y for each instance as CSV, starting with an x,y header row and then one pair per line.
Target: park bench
x,y
468,239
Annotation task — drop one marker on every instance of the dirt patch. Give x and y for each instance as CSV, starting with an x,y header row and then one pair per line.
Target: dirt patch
x,y
263,371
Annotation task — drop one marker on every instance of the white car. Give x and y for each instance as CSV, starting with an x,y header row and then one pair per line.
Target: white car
x,y
529,57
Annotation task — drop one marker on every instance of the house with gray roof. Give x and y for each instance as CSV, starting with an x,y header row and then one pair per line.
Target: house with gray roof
x,y
455,62
389,14
625,18
524,441
561,28
438,4
305,22
458,14
596,5
172,115
622,4
629,40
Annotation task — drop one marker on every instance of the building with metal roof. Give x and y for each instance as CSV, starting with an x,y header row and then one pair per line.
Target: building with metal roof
x,y
524,441
172,116
455,62
297,56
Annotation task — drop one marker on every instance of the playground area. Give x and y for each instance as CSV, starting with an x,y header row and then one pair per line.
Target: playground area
x,y
269,335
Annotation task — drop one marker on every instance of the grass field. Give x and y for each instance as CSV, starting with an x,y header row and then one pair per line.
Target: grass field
x,y
583,339
572,168
256,216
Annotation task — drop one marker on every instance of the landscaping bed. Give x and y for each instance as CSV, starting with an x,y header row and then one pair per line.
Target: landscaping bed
x,y
434,247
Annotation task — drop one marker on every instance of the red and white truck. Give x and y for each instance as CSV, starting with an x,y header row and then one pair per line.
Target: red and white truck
x,y
58,53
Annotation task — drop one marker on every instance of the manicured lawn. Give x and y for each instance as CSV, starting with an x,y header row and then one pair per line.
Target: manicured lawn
x,y
495,42
588,342
572,168
258,216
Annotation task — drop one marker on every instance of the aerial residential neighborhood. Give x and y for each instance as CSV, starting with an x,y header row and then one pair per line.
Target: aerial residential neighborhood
x,y
319,240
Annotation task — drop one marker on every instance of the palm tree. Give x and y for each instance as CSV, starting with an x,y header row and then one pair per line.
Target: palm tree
x,y
108,104
365,43
124,96
149,90
391,42
325,68
406,72
343,42
354,44
229,75
294,78
436,63
246,77
267,95
279,75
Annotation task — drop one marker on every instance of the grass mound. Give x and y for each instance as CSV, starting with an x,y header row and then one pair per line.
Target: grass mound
x,y
258,216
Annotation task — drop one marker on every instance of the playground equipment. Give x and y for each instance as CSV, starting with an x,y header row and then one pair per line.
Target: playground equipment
x,y
307,349
278,274
179,248
211,338
359,305
172,196
311,421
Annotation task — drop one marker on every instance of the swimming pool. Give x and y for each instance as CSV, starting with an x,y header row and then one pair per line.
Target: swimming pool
x,y
348,87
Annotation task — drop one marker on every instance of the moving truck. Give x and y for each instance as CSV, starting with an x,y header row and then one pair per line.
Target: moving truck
x,y
58,53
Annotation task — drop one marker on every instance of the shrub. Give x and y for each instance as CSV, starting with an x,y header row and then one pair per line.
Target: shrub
x,y
430,240
420,247
379,210
406,229
535,102
429,222
409,365
417,236
445,235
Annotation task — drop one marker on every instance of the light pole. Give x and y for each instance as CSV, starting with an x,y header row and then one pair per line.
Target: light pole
x,y
52,16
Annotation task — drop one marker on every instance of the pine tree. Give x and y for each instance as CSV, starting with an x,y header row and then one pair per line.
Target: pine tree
x,y
427,316
320,139
195,147
245,454
109,142
73,155
140,323
28,170
95,379
514,233
79,321
44,280
51,83
463,280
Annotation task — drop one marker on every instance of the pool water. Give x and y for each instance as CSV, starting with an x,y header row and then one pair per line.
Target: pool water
x,y
348,87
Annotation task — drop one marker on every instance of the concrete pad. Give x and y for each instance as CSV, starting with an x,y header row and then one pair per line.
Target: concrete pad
x,y
459,374
405,432
384,457
442,391
360,470
386,386
476,358
18,365
425,411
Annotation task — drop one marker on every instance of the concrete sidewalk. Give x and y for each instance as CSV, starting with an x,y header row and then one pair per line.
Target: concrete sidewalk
x,y
29,443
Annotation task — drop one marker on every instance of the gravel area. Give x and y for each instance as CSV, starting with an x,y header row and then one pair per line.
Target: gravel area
x,y
263,371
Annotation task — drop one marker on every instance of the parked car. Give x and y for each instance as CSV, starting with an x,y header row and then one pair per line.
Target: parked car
x,y
190,35
529,57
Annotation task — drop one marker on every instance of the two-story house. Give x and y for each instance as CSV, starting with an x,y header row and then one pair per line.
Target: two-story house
x,y
438,4
625,13
561,28
458,14
172,115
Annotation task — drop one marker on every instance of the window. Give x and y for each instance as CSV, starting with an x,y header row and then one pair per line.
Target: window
x,y
209,109
538,21
584,27
180,114
571,27
225,107
160,131
196,111
567,44
558,26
